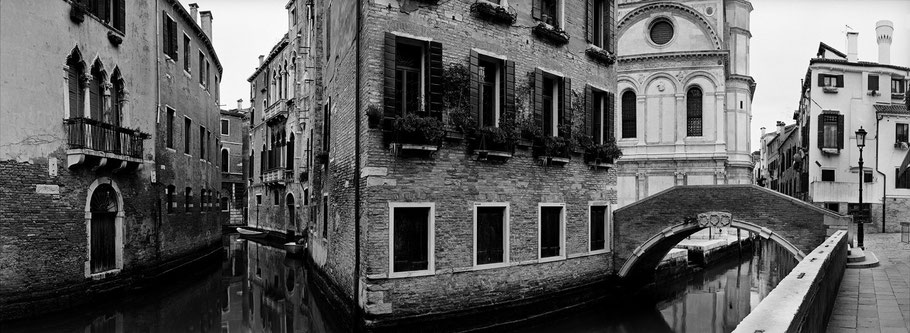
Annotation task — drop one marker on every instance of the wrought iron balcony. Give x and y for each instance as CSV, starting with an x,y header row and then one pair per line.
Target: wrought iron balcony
x,y
276,112
100,144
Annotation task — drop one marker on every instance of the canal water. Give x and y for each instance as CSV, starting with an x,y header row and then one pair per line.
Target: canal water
x,y
258,289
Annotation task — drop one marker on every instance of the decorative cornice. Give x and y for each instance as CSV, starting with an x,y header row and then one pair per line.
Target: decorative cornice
x,y
199,33
664,6
741,30
685,54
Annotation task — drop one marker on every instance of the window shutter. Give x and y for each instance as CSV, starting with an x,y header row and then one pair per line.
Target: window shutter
x,y
589,20
535,9
174,39
165,27
120,15
73,87
840,81
589,112
567,106
537,97
608,25
840,131
95,98
474,70
821,80
388,110
436,84
103,11
509,90
873,82
611,110
821,131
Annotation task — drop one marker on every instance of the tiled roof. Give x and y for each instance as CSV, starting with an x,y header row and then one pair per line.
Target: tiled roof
x,y
891,108
858,63
822,47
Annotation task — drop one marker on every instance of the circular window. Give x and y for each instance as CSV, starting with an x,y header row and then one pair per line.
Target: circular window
x,y
661,32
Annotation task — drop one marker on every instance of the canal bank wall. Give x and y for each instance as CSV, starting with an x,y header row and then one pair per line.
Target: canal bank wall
x,y
803,300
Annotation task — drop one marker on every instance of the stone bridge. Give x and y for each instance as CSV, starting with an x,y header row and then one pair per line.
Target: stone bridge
x,y
646,230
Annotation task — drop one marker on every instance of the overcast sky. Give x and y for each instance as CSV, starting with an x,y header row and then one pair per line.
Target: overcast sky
x,y
785,35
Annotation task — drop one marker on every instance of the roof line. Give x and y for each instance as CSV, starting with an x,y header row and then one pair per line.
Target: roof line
x,y
206,40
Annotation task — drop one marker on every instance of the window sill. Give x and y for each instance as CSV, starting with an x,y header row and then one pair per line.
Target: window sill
x,y
873,93
104,275
170,149
832,151
398,275
593,252
187,74
551,259
830,90
489,266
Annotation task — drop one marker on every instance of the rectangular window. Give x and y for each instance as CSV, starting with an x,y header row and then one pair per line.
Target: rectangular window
x,y
599,221
833,206
186,53
188,196
208,73
550,104
551,230
827,175
201,142
294,16
902,132
202,69
598,13
831,130
549,12
258,199
599,115
411,238
409,78
490,83
902,181
325,216
873,83
413,77
170,127
833,81
169,36
225,127
187,131
491,233
897,86
867,176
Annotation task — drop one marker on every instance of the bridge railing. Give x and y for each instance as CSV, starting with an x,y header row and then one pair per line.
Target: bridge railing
x,y
803,301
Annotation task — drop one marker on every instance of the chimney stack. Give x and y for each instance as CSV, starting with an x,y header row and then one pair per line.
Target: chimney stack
x,y
240,104
852,53
207,23
780,127
261,59
194,12
764,131
884,29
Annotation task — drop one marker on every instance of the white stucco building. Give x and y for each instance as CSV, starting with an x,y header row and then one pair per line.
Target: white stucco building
x,y
685,95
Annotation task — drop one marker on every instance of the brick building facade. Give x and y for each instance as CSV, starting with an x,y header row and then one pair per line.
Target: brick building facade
x,y
461,158
234,156
87,199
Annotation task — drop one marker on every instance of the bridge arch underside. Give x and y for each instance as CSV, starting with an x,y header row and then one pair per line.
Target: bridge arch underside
x,y
640,266
646,230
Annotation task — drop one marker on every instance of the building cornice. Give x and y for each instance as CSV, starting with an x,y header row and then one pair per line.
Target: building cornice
x,y
206,41
741,30
633,15
274,53
855,64
671,55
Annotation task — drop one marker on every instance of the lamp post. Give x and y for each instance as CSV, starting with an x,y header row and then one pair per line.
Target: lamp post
x,y
860,143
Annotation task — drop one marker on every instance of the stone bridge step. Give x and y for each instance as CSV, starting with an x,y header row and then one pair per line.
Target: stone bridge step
x,y
856,255
869,260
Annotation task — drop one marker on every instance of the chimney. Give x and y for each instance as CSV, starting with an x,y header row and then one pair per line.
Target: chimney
x,y
764,131
207,23
261,59
852,37
780,127
240,104
194,12
884,29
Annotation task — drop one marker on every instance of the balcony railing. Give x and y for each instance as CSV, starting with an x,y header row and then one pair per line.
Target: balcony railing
x,y
274,176
276,112
85,133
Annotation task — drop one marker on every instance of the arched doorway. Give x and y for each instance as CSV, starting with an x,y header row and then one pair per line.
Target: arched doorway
x,y
104,221
292,213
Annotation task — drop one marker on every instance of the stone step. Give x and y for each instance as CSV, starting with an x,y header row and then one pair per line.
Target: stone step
x,y
856,255
870,261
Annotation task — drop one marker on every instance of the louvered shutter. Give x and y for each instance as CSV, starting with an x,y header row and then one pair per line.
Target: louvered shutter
x,y
840,131
597,111
608,25
821,131
537,97
474,73
589,20
509,90
74,93
435,76
840,81
95,98
821,80
873,82
566,107
173,32
611,115
103,11
589,112
120,15
165,28
535,9
389,110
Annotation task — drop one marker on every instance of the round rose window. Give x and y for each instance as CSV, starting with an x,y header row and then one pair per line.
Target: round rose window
x,y
661,32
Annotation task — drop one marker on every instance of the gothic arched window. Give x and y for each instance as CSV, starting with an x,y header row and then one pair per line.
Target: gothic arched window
x,y
628,114
693,112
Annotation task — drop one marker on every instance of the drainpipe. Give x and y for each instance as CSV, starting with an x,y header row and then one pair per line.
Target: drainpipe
x,y
357,133
157,120
878,119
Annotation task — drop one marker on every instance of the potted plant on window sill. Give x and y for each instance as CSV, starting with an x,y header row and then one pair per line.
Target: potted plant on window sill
x,y
551,33
493,143
602,156
554,150
600,55
493,12
459,123
417,133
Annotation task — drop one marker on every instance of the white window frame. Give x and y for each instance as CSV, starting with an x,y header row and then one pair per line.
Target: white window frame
x,y
431,241
562,232
608,228
497,86
560,12
424,49
228,126
188,68
505,234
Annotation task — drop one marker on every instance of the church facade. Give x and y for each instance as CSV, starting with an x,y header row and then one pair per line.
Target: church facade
x,y
684,95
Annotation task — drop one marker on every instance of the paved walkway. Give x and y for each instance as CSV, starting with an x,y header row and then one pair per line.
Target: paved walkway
x,y
876,299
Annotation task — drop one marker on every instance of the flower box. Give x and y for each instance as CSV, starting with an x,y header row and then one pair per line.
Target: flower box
x,y
551,34
493,12
554,160
829,90
600,55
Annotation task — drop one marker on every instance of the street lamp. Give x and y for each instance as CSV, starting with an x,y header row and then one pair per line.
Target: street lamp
x,y
860,143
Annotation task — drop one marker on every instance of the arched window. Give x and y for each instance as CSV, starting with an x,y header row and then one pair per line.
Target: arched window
x,y
115,114
292,216
224,160
75,75
171,202
289,154
96,92
693,112
628,114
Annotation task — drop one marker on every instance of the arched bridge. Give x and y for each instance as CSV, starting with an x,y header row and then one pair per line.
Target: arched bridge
x,y
646,230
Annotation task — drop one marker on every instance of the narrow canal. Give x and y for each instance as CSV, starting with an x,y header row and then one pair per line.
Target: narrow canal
x,y
258,289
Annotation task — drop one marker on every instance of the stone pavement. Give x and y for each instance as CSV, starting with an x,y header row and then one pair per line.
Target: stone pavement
x,y
876,299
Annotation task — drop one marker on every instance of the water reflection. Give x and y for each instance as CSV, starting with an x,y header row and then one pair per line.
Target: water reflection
x,y
256,288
